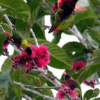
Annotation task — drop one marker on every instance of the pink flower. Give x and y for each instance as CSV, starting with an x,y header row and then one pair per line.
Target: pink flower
x,y
67,89
79,65
60,94
54,8
7,32
40,55
63,85
90,83
56,30
6,42
73,93
75,66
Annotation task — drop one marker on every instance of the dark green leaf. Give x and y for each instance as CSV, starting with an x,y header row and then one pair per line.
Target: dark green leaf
x,y
91,93
95,35
95,58
59,59
6,27
76,51
57,37
2,12
34,4
4,79
16,8
15,76
94,3
87,24
6,66
87,71
11,94
2,39
38,31
92,43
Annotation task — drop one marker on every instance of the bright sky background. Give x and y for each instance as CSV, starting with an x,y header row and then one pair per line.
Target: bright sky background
x,y
64,39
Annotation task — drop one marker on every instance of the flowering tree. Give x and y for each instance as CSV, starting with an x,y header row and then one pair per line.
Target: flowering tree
x,y
25,73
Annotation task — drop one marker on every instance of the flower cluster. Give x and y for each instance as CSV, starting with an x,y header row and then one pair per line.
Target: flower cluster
x,y
90,83
61,94
40,55
78,65
6,42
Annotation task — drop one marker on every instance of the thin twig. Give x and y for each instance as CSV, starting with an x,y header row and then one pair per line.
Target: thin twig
x,y
2,28
34,37
37,93
48,6
34,87
27,97
42,25
76,32
9,22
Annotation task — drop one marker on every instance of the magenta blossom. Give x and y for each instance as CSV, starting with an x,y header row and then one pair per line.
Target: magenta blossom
x,y
78,65
60,94
6,42
73,93
40,55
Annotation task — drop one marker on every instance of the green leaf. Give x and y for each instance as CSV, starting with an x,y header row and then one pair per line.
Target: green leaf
x,y
95,35
38,31
6,66
2,39
6,27
15,76
33,17
57,37
77,48
59,59
94,3
4,79
87,71
17,8
11,94
42,12
92,43
34,4
91,93
2,12
95,58
87,24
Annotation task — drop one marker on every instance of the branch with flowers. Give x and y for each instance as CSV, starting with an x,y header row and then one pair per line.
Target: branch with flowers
x,y
26,73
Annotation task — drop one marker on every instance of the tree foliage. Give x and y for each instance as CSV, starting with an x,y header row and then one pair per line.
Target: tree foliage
x,y
30,14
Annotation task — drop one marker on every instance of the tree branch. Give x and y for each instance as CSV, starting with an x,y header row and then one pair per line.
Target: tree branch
x,y
8,21
34,87
48,6
2,28
34,37
27,97
37,93
76,32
